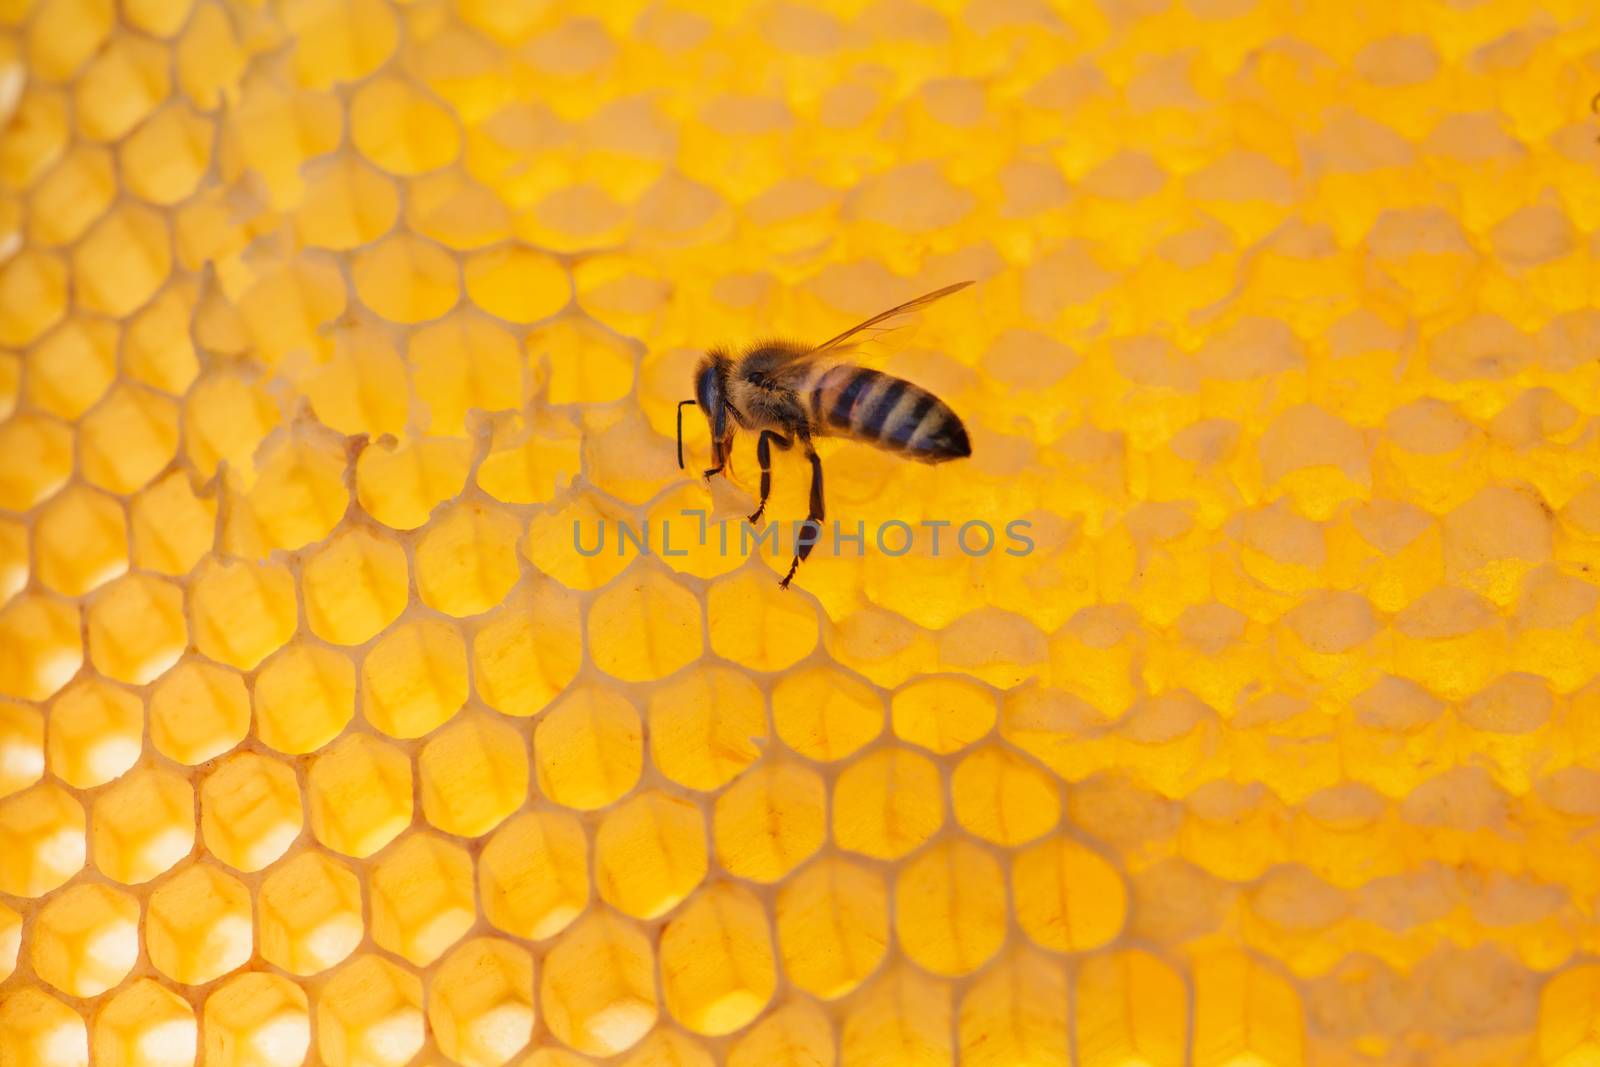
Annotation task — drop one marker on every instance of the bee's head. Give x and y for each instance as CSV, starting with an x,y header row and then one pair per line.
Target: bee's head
x,y
711,393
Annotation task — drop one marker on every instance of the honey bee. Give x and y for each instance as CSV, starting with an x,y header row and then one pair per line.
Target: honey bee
x,y
792,394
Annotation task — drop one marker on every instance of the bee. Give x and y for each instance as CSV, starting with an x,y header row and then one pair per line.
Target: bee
x,y
792,394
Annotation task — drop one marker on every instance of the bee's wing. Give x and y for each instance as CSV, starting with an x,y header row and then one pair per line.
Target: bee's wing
x,y
878,321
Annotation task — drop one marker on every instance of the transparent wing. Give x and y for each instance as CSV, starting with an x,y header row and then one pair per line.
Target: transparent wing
x,y
897,320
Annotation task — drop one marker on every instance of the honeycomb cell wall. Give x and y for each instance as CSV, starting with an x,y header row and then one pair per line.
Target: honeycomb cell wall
x,y
1235,704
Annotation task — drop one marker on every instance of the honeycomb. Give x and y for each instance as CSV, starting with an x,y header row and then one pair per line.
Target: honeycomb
x,y
333,333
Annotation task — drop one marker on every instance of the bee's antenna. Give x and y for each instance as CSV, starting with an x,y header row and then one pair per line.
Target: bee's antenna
x,y
681,404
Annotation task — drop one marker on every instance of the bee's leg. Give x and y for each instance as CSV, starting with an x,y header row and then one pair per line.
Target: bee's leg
x,y
717,458
815,515
764,456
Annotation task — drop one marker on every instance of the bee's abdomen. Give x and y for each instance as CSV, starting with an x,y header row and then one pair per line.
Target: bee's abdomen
x,y
886,411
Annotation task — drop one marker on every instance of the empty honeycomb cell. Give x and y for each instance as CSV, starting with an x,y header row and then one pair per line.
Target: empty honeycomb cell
x,y
80,541
249,811
1015,1012
588,748
159,18
1308,610
72,367
256,1019
825,714
198,711
597,988
39,131
1068,898
340,42
533,874
717,965
770,821
354,586
41,453
304,698
22,751
39,646
706,726
197,925
480,1002
886,804
13,559
587,364
137,628
950,908
32,296
903,1017
309,914
354,392
555,1056
467,561
40,1031
127,439
832,921
10,941
142,824
795,1034
406,280
550,539
529,650
650,854
675,524
300,494
755,623
414,679
85,940
63,34
242,612
359,793
96,733
942,714
124,83
422,899
399,486
1131,1007
45,828
517,284
346,205
122,260
369,1014
400,129
670,1045
1003,798
145,1024
474,773
462,362
1244,1011
645,629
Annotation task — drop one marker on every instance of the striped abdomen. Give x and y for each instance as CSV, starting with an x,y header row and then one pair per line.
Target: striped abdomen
x,y
880,409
